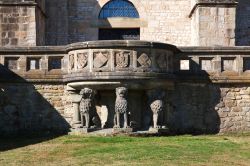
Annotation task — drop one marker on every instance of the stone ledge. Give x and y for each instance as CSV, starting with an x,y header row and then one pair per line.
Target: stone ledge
x,y
36,49
120,44
112,84
18,2
239,49
89,45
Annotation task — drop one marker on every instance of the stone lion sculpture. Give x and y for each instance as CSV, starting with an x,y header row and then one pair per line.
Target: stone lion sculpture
x,y
156,104
156,107
121,107
86,106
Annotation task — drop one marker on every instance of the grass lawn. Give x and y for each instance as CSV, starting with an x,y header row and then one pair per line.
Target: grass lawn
x,y
176,150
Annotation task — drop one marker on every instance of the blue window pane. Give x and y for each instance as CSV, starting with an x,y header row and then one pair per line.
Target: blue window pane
x,y
118,8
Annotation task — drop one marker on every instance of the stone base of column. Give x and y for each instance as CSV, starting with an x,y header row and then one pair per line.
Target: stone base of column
x,y
122,130
82,130
77,125
160,131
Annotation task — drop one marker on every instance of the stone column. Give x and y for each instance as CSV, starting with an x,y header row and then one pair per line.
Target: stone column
x,y
75,99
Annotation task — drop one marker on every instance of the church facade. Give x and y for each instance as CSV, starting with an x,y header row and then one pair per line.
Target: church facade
x,y
161,66
181,23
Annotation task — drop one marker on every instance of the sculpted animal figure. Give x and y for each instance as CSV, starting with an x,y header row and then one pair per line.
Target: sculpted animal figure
x,y
121,107
86,106
156,107
156,104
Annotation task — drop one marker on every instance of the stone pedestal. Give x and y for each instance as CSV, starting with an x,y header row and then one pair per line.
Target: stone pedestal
x,y
160,131
122,130
83,130
75,99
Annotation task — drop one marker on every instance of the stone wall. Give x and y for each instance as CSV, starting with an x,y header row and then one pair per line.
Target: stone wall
x,y
176,22
79,21
210,108
213,24
40,23
22,23
33,108
18,26
243,23
57,22
182,22
167,21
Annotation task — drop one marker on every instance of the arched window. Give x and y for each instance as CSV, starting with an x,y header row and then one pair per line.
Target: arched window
x,y
118,8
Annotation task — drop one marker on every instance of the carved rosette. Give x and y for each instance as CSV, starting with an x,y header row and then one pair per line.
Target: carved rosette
x,y
122,59
82,60
121,107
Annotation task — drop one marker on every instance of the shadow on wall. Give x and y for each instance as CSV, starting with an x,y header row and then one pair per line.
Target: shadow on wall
x,y
25,112
195,102
78,21
242,35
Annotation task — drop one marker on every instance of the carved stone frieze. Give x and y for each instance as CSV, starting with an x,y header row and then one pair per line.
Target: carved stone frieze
x,y
101,59
122,59
144,60
82,60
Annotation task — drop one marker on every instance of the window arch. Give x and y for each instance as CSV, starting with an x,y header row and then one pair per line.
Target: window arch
x,y
118,8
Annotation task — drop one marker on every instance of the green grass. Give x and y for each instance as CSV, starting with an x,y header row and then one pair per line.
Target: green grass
x,y
176,150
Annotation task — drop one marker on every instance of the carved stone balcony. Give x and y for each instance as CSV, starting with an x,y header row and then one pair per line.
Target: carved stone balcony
x,y
119,62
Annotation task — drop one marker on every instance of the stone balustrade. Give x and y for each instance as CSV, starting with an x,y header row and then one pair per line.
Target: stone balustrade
x,y
218,65
127,60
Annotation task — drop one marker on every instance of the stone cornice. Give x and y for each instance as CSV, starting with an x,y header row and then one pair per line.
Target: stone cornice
x,y
212,3
88,45
239,49
18,3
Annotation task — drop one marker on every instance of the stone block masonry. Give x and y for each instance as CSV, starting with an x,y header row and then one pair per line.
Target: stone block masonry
x,y
21,23
31,108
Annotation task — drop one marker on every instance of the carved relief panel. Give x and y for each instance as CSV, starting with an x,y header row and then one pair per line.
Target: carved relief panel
x,y
122,60
101,61
144,61
82,60
163,61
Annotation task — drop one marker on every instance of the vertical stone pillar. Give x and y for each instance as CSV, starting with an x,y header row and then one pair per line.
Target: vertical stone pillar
x,y
75,99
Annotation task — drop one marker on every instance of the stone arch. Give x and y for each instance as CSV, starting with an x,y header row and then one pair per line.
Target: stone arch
x,y
137,4
118,8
